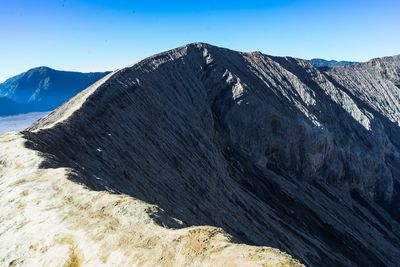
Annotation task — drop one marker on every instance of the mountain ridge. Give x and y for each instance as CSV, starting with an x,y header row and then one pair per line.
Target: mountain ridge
x,y
8,88
271,149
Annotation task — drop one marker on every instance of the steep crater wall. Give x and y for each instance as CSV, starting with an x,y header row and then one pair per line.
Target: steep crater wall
x,y
267,148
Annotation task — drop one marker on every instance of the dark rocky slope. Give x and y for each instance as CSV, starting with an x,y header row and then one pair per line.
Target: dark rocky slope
x,y
272,150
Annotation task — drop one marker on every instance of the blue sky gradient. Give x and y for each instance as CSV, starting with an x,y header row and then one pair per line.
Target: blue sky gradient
x,y
97,35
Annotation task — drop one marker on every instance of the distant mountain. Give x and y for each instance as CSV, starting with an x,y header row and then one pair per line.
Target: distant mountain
x,y
42,89
8,106
318,62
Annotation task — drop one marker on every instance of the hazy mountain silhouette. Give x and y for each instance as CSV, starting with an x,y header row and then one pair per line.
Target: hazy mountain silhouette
x,y
43,88
318,62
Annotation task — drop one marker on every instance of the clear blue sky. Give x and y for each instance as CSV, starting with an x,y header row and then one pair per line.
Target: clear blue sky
x,y
96,35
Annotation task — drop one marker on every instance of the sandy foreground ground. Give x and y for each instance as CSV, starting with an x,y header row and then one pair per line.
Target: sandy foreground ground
x,y
48,220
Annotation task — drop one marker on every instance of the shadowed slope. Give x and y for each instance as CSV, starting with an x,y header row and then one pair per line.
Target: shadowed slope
x,y
49,220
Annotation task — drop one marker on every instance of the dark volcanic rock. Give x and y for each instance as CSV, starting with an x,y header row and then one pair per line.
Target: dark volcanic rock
x,y
271,149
